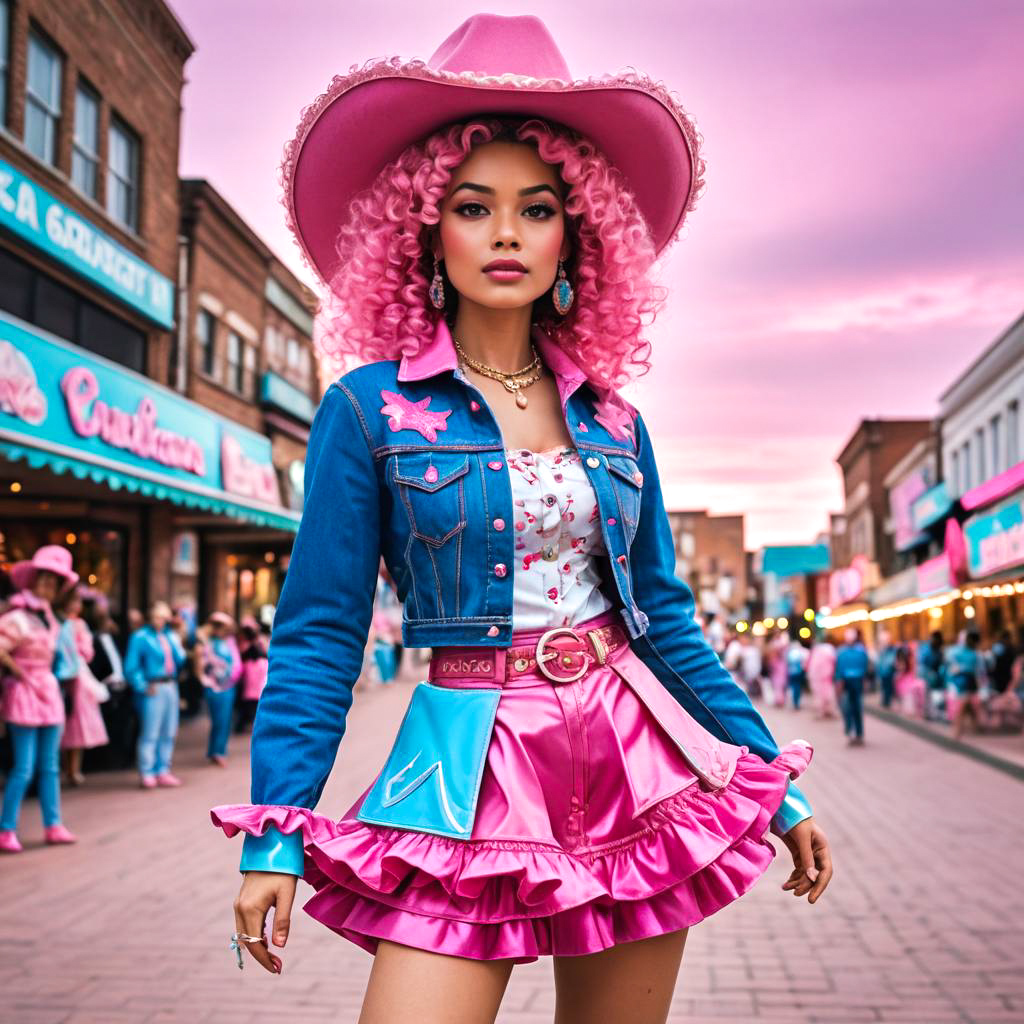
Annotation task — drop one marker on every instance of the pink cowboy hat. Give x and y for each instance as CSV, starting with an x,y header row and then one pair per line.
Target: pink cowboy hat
x,y
51,558
489,65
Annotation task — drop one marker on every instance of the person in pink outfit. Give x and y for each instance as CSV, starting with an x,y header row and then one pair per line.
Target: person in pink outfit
x,y
578,776
821,668
84,727
252,647
778,667
33,706
909,688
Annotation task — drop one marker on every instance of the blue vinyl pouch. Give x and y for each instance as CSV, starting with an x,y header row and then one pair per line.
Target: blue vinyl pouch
x,y
431,780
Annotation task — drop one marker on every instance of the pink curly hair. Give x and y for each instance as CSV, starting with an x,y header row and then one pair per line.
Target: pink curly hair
x,y
377,306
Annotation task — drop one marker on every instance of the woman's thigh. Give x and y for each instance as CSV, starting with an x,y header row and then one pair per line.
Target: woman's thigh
x,y
415,986
628,984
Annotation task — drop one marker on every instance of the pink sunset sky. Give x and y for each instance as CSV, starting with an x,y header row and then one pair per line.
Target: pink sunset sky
x,y
858,244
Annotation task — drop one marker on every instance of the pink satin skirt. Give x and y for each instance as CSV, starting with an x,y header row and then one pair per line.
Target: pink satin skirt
x,y
591,830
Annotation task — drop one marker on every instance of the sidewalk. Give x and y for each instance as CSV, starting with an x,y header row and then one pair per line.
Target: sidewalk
x,y
1000,750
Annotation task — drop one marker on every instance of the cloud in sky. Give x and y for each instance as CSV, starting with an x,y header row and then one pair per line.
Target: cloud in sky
x,y
857,246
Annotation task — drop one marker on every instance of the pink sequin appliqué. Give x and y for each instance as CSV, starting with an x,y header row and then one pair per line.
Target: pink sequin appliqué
x,y
615,419
404,414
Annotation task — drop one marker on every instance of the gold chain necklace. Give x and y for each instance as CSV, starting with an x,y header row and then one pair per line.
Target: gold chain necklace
x,y
514,382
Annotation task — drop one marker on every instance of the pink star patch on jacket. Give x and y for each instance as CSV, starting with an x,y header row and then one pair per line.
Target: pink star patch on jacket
x,y
615,419
406,415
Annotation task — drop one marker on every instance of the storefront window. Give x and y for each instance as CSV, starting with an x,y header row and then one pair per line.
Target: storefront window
x,y
206,332
234,374
84,154
98,552
1012,426
42,99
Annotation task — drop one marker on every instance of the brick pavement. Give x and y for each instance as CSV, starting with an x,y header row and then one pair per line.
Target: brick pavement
x,y
923,921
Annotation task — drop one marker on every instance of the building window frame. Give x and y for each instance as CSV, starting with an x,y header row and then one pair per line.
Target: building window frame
x,y
1012,435
123,183
206,335
85,161
40,110
5,60
234,365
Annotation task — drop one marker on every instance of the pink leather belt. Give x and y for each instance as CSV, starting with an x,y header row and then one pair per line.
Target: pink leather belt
x,y
559,655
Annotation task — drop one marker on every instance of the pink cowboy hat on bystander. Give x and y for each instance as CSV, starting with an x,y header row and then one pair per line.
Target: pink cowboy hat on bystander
x,y
489,65
49,558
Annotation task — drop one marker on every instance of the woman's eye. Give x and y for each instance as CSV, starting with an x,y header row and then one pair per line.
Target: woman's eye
x,y
465,208
545,210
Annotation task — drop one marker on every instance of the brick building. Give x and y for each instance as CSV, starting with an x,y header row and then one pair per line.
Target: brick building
x,y
248,353
108,443
711,558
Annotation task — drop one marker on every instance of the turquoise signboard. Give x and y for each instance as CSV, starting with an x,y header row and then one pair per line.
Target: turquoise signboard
x,y
33,214
78,410
931,506
995,541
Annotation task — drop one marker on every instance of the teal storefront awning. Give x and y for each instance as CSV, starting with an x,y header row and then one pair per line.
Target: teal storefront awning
x,y
120,480
70,411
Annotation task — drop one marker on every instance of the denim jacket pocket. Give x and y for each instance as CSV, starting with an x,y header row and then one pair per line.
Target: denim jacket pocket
x,y
627,483
431,486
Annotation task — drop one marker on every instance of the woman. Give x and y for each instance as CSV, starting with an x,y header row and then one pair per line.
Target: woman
x,y
253,651
155,656
33,705
821,669
797,657
84,728
545,794
219,667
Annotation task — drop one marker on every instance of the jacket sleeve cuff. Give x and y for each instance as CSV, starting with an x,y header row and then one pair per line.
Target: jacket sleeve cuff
x,y
273,851
795,808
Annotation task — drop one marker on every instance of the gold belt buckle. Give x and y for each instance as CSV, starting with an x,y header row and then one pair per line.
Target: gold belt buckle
x,y
543,658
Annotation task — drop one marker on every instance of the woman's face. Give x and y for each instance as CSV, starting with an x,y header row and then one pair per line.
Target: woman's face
x,y
46,585
503,203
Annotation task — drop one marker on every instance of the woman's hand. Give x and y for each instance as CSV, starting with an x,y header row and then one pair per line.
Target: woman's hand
x,y
812,860
260,891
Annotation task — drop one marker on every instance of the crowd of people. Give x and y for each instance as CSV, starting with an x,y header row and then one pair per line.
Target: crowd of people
x,y
960,683
71,685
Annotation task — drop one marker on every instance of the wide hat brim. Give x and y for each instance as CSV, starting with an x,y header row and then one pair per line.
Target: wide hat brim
x,y
22,574
367,118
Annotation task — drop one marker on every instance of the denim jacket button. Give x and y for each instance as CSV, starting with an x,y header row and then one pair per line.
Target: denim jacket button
x,y
549,500
593,462
500,569
499,524
493,631
494,465
474,405
431,474
638,477
621,559
611,520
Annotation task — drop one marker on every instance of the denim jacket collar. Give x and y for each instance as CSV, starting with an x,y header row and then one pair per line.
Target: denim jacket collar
x,y
439,355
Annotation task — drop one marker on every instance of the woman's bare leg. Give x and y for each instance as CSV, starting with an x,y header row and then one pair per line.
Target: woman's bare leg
x,y
627,984
415,986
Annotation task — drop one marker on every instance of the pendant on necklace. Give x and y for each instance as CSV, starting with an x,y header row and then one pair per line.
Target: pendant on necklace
x,y
520,400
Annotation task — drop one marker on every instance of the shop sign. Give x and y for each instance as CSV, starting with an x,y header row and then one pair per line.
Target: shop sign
x,y
37,217
847,585
185,553
901,500
935,576
995,541
59,398
281,394
931,506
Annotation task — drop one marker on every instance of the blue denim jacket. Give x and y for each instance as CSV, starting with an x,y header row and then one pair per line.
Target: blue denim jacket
x,y
145,658
405,460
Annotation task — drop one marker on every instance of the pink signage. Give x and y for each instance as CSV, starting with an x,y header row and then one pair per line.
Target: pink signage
x,y
247,477
935,575
956,550
19,390
847,584
901,500
136,432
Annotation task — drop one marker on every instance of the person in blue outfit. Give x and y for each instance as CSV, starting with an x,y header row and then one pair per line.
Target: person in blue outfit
x,y
155,655
852,667
885,666
219,667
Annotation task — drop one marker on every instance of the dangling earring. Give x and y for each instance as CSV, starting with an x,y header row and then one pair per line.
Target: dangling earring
x,y
437,288
562,295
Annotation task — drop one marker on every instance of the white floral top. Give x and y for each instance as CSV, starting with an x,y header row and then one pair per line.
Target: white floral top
x,y
558,540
